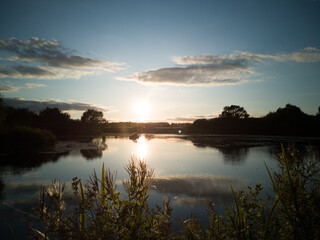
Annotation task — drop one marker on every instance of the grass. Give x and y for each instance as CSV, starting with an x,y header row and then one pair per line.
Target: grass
x,y
100,213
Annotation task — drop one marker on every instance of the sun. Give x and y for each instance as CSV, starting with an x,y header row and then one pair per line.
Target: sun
x,y
142,109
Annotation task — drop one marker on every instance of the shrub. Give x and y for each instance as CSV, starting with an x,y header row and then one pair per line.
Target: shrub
x,y
100,213
293,212
25,139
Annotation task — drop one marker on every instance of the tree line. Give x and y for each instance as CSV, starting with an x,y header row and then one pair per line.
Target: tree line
x,y
24,131
287,121
53,119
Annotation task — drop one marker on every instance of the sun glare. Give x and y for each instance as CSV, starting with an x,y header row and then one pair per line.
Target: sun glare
x,y
142,109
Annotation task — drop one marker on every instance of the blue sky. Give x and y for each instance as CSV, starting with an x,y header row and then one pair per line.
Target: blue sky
x,y
184,59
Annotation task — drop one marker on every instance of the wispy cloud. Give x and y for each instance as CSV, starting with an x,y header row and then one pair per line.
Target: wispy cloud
x,y
10,88
205,187
308,54
39,58
193,70
34,85
215,70
37,106
190,118
22,71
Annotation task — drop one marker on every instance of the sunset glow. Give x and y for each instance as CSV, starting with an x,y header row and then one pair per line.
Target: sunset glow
x,y
188,59
142,110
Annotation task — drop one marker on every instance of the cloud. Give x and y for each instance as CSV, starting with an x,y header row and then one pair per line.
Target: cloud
x,y
207,188
37,106
192,70
190,118
308,54
39,58
215,70
22,71
34,85
8,88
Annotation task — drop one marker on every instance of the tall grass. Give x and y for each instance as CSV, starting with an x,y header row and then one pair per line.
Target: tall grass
x,y
292,213
100,213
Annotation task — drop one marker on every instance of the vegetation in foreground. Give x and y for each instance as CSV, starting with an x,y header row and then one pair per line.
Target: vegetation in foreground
x,y
100,213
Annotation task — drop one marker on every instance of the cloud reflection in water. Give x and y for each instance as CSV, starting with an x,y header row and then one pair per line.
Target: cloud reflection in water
x,y
194,190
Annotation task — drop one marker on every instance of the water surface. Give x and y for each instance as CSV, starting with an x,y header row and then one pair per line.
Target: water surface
x,y
191,170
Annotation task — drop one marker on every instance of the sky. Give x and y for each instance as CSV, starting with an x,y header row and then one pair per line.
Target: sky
x,y
159,60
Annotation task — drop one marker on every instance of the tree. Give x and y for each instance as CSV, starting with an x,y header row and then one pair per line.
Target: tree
x,y
2,111
53,115
22,116
289,112
318,114
234,111
93,116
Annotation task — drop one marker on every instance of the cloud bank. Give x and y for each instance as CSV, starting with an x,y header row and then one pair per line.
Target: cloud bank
x,y
37,106
214,70
39,58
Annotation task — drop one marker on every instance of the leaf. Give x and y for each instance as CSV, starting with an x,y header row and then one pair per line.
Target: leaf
x,y
83,213
39,233
103,189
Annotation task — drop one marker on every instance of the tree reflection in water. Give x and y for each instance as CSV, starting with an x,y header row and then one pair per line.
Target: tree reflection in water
x,y
234,155
91,154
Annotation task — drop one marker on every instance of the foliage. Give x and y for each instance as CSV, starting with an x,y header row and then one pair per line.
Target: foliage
x,y
93,116
100,213
49,115
22,116
292,213
297,187
93,121
289,112
234,111
287,121
2,112
25,139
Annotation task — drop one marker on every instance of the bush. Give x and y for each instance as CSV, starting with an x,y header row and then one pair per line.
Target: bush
x,y
292,213
25,139
100,213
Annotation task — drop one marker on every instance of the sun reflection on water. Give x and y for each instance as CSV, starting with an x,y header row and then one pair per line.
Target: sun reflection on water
x,y
142,148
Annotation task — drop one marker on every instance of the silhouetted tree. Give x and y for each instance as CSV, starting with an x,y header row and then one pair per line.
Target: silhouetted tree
x,y
93,116
2,111
21,116
289,112
318,113
53,115
234,111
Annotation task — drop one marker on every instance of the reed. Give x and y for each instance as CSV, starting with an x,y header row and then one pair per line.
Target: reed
x,y
291,212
